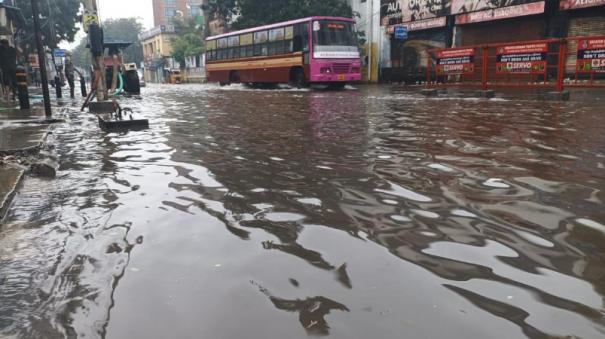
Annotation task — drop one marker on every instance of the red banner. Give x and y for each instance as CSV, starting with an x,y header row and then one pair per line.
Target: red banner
x,y
573,4
591,56
501,13
522,59
456,61
32,59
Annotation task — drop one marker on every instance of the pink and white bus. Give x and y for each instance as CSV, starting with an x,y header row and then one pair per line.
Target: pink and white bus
x,y
315,50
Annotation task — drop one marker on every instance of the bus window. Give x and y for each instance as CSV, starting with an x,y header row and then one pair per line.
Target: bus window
x,y
260,43
300,43
305,37
288,36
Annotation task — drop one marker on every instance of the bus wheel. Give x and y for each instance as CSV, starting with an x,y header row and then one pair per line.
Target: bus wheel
x,y
297,77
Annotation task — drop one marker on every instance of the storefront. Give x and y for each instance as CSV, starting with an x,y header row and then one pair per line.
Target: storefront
x,y
480,22
427,27
584,18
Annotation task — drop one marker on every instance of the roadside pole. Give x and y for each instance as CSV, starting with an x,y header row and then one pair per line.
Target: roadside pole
x,y
42,59
95,37
370,39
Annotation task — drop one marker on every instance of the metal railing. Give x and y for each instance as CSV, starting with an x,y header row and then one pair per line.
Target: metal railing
x,y
549,63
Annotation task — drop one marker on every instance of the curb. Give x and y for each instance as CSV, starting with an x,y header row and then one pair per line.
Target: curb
x,y
8,198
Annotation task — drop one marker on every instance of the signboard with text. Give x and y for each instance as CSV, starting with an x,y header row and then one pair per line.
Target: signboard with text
x,y
431,13
522,59
574,4
420,25
401,32
456,61
591,56
501,13
59,53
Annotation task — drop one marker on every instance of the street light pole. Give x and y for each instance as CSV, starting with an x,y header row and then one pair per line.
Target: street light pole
x,y
42,58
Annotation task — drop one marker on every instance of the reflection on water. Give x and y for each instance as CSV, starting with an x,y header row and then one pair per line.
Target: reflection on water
x,y
365,213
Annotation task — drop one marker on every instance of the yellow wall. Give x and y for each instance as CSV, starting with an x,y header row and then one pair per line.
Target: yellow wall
x,y
374,65
159,44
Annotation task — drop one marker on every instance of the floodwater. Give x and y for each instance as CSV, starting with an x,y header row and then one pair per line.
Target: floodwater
x,y
367,213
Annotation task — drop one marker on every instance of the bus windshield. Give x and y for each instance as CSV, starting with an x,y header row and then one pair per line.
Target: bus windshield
x,y
334,33
334,39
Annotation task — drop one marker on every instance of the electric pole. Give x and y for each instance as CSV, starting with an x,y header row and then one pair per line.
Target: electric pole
x,y
42,58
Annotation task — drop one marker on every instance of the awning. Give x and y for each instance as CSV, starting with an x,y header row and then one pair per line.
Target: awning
x,y
14,14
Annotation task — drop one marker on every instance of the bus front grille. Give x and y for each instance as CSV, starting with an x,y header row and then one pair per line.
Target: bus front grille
x,y
340,68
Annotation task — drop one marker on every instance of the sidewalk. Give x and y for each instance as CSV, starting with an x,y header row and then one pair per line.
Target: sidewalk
x,y
19,136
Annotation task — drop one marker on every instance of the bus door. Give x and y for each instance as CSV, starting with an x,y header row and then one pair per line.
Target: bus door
x,y
301,41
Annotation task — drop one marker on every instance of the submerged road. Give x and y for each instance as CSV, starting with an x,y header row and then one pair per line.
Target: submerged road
x,y
269,214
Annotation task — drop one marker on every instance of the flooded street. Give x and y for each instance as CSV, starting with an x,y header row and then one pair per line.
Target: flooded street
x,y
265,214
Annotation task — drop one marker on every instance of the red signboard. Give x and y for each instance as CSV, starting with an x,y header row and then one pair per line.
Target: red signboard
x,y
456,61
32,59
573,4
522,59
501,13
591,56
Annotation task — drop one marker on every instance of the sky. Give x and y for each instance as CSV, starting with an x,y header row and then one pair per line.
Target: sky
x,y
114,9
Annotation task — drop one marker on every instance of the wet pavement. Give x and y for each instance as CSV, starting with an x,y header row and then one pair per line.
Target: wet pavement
x,y
366,213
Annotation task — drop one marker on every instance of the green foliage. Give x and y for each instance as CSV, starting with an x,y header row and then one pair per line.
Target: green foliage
x,y
58,22
189,41
251,13
223,8
126,29
262,12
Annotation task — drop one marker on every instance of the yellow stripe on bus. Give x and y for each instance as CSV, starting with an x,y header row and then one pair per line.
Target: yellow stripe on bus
x,y
255,64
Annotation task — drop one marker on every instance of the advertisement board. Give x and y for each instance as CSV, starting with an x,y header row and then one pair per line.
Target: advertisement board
x,y
522,59
574,4
468,6
456,61
591,56
501,13
400,11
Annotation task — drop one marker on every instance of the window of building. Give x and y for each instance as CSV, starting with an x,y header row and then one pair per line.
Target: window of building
x,y
170,11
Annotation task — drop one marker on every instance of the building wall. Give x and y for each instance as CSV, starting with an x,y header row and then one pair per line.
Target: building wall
x,y
165,10
156,48
523,28
368,22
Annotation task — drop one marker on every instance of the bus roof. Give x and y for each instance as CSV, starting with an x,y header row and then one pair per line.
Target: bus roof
x,y
279,24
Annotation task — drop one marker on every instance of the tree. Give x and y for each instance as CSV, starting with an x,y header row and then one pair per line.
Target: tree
x,y
251,13
58,22
189,41
125,29
219,9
